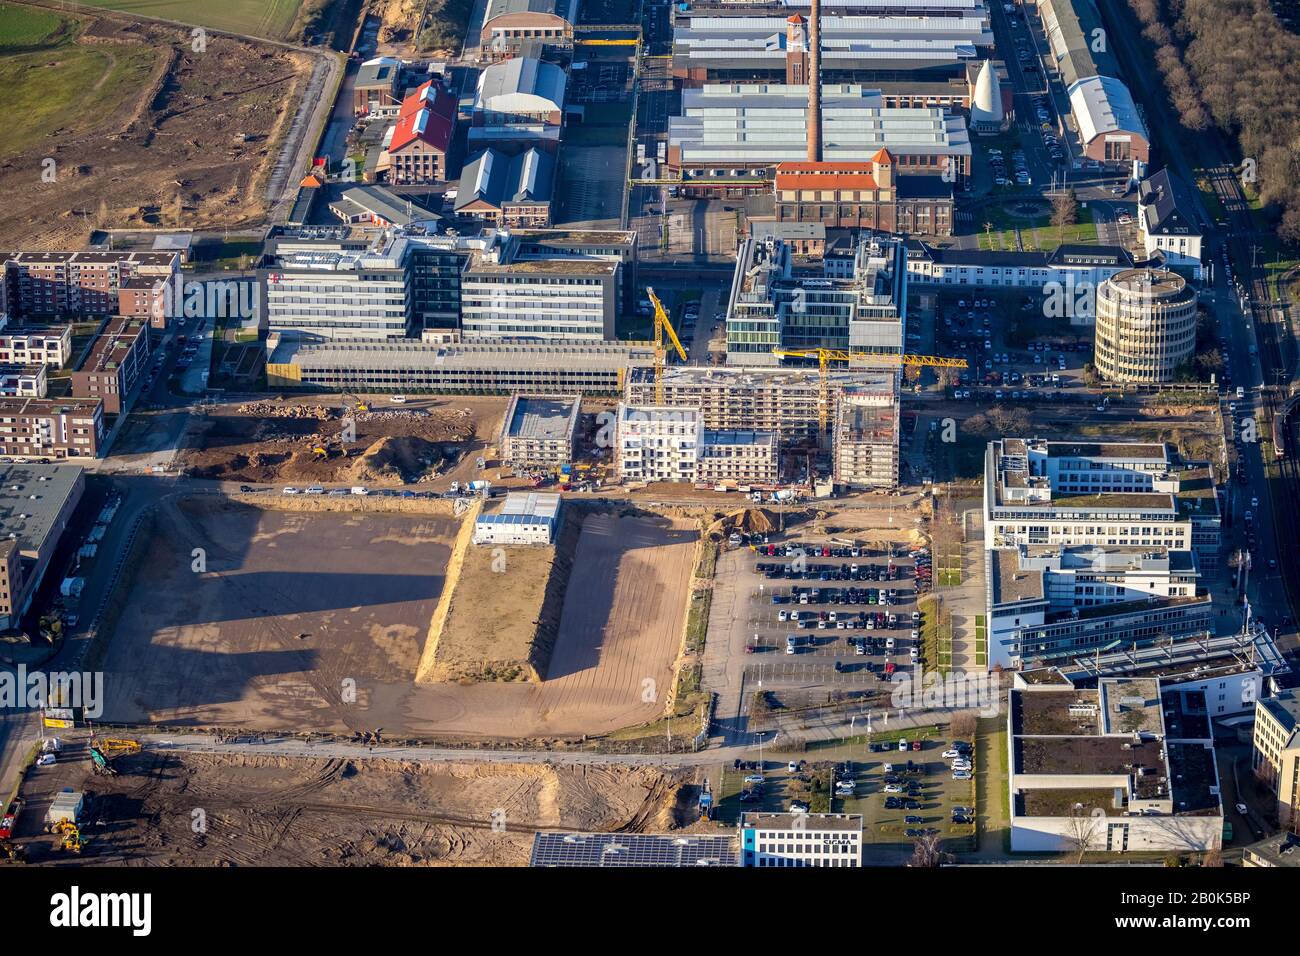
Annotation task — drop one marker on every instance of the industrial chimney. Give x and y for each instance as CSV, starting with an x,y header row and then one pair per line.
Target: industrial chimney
x,y
815,82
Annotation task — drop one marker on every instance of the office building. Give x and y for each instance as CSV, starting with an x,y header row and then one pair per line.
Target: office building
x,y
1146,327
518,104
1275,755
508,191
513,27
1167,222
863,195
528,518
419,142
801,839
1127,766
615,850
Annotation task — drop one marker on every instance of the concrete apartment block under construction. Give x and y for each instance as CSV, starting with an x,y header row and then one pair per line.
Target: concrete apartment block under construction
x,y
539,430
784,401
747,457
658,442
866,440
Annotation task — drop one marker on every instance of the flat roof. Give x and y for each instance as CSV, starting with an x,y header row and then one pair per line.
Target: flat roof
x,y
1056,713
633,850
31,499
802,821
544,418
1011,583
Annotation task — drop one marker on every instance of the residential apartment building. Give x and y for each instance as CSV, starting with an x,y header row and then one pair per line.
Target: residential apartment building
x,y
539,430
36,344
42,285
36,504
1275,755
51,428
1127,766
743,457
657,442
118,359
24,381
785,401
801,839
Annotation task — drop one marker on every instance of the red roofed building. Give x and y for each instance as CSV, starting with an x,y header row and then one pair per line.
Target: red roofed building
x,y
421,139
863,195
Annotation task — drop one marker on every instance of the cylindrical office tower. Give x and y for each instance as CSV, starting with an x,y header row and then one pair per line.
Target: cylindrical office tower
x,y
1146,326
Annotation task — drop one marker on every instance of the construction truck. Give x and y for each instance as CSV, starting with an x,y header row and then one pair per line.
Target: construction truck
x,y
66,808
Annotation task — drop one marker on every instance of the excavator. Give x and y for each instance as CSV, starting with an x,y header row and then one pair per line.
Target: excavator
x,y
104,752
70,835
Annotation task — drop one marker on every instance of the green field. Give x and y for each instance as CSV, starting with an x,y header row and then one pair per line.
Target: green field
x,y
45,89
260,18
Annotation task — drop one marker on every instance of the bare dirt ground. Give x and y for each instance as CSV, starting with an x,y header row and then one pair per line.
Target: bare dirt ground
x,y
194,145
273,811
293,610
390,444
225,649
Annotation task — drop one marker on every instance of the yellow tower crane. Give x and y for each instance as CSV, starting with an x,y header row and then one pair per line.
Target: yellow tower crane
x,y
880,359
662,325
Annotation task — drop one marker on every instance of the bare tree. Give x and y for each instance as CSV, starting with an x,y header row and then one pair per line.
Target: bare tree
x,y
928,852
1082,830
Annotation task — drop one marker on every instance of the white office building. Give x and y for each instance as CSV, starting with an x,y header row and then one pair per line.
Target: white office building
x,y
801,839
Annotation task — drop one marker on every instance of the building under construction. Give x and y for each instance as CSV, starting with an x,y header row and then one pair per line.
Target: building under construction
x,y
785,401
539,430
866,441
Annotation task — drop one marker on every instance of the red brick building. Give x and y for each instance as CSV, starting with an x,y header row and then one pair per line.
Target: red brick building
x,y
422,137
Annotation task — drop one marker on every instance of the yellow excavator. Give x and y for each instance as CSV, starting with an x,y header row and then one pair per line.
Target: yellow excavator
x,y
70,836
877,359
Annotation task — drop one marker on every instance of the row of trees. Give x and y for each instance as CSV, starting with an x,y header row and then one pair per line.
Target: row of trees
x,y
1231,63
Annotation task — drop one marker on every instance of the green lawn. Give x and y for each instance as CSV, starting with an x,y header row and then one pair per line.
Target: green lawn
x,y
47,76
1036,232
260,18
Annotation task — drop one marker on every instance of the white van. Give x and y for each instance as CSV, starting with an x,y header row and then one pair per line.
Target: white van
x,y
397,399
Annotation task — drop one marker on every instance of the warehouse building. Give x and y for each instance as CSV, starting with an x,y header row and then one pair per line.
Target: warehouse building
x,y
382,208
863,195
511,27
615,850
508,191
540,430
854,49
524,519
1102,109
36,504
1125,767
497,368
518,104
730,138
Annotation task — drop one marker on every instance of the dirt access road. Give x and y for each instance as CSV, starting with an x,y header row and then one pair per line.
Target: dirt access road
x,y
298,609
276,811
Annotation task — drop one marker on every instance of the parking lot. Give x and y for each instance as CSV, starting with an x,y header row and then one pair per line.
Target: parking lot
x,y
900,793
826,617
